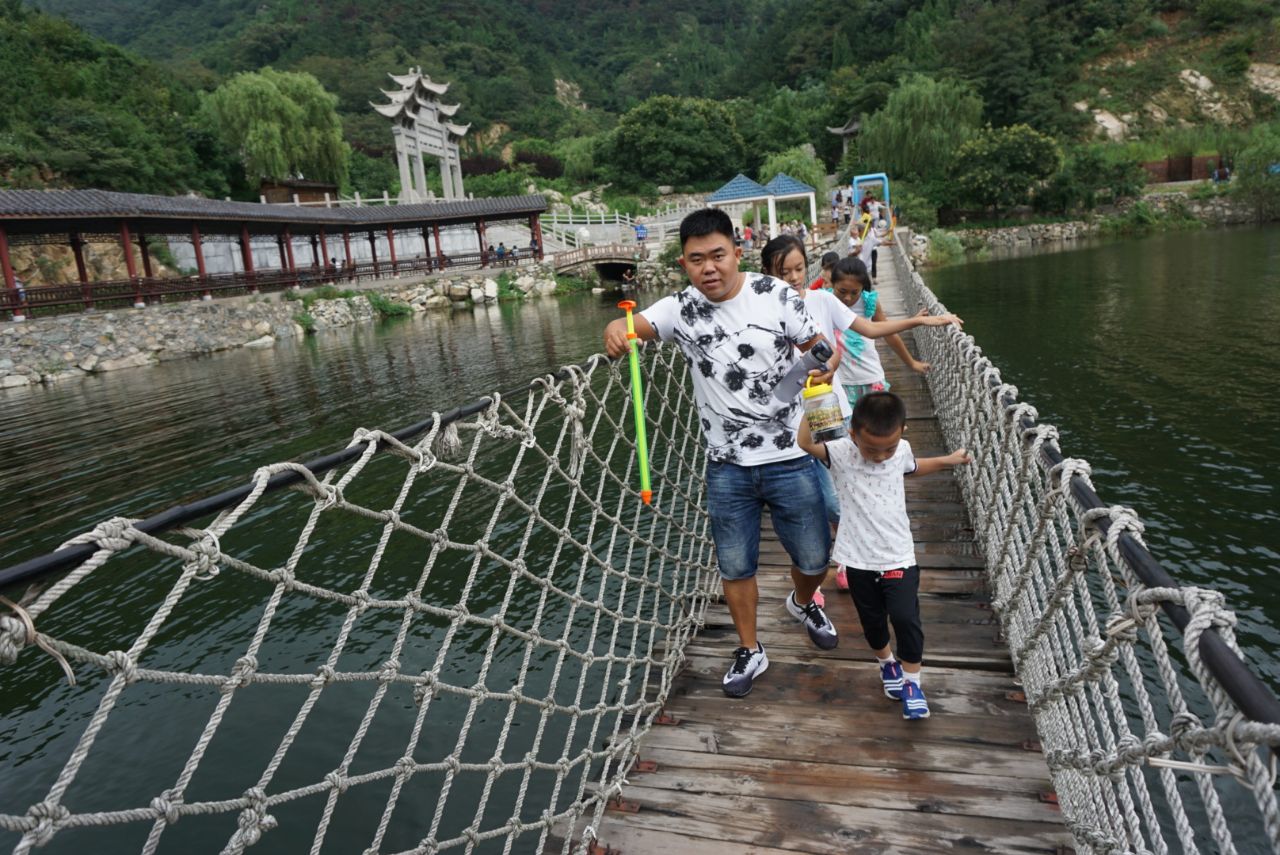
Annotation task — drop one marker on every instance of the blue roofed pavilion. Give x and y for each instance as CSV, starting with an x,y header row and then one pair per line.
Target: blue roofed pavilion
x,y
739,189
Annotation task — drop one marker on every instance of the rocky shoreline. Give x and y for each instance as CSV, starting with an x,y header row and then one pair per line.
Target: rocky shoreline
x,y
1212,211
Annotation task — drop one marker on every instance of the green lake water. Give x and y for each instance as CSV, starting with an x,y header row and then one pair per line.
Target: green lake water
x,y
1154,357
1157,359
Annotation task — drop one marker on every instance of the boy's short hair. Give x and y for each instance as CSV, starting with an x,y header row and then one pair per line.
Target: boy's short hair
x,y
829,259
879,414
703,222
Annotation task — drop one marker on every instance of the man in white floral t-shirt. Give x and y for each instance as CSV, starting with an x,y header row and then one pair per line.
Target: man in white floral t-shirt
x,y
737,331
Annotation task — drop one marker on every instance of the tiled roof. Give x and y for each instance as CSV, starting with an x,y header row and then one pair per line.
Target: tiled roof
x,y
741,187
784,185
94,204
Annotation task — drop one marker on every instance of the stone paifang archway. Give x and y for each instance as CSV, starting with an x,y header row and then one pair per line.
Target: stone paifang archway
x,y
422,127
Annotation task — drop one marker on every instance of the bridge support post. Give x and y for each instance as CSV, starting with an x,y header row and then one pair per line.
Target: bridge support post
x,y
346,248
82,272
290,264
324,252
373,250
77,249
391,250
535,228
484,255
246,255
435,228
197,246
10,281
126,245
145,252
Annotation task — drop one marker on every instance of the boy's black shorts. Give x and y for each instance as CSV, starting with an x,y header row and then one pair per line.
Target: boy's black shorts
x,y
889,597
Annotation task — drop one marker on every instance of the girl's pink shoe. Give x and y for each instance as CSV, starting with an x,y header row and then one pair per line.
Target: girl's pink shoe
x,y
819,599
842,579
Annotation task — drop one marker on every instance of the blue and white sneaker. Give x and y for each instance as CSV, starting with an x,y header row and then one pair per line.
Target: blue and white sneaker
x,y
822,631
914,705
747,665
891,676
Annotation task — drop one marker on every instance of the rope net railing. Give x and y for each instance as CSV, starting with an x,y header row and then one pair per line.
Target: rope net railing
x,y
453,644
1145,737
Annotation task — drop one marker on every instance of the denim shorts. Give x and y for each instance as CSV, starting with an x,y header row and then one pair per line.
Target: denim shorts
x,y
791,489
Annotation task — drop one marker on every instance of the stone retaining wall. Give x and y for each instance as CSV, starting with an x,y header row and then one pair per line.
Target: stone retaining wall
x,y
63,347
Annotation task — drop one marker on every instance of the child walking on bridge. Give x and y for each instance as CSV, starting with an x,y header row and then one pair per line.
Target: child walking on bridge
x,y
869,467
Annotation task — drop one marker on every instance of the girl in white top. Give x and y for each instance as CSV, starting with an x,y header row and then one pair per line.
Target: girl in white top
x,y
784,257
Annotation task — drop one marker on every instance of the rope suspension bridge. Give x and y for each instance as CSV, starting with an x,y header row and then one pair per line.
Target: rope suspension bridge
x,y
455,637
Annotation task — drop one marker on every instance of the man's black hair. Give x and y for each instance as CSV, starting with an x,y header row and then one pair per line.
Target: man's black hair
x,y
879,414
703,222
829,259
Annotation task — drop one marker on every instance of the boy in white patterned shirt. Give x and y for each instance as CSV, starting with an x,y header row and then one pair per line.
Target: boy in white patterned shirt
x,y
874,542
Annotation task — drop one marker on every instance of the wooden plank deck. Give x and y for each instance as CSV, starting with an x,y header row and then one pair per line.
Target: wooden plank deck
x,y
816,759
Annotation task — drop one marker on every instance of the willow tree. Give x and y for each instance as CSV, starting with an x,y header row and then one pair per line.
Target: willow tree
x,y
283,124
800,163
916,134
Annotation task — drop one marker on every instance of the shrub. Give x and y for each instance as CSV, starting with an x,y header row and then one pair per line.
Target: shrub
x,y
503,183
306,321
1257,184
669,254
386,307
944,247
915,210
1143,218
482,164
507,289
324,292
572,284
542,165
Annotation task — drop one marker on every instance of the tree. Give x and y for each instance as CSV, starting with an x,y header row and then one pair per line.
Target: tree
x,y
680,141
800,163
841,50
283,124
998,167
1090,173
1257,169
916,134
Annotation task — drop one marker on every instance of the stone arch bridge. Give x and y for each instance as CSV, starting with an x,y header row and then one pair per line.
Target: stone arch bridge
x,y
609,259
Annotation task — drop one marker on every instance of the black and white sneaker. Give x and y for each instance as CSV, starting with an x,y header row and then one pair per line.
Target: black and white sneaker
x,y
747,665
822,632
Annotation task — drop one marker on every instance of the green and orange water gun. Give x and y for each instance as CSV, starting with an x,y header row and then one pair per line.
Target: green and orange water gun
x,y
637,403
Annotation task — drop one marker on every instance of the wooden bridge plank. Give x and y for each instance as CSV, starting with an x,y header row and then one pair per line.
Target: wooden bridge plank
x,y
795,825
849,748
816,759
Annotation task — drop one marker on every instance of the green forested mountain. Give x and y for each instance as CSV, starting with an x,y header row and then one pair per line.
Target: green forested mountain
x,y
562,74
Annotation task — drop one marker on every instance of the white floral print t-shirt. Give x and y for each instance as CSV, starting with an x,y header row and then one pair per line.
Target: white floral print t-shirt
x,y
738,350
